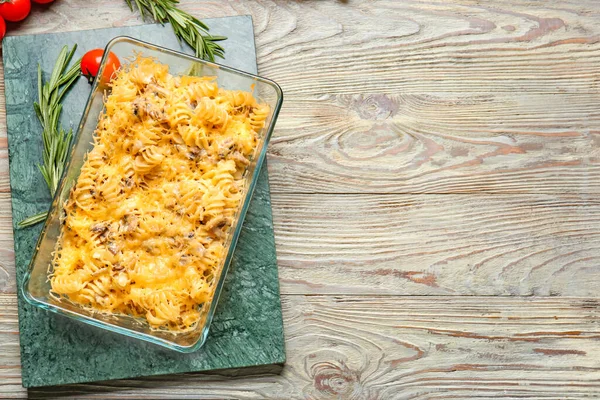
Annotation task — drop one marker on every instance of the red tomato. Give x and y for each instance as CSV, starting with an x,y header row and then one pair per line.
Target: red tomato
x,y
90,64
42,1
15,10
2,28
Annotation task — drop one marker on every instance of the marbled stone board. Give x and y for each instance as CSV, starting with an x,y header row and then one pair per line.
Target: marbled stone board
x,y
247,329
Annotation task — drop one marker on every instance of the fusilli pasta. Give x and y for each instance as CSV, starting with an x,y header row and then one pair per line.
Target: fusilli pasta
x,y
147,219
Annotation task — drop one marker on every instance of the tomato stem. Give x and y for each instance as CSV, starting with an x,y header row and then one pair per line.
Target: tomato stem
x,y
89,77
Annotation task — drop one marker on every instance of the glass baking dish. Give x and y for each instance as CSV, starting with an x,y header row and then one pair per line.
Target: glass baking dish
x,y
36,286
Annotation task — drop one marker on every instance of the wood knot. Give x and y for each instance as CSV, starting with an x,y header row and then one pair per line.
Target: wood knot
x,y
336,381
374,107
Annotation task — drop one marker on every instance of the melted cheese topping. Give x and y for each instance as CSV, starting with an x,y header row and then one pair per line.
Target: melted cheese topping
x,y
147,220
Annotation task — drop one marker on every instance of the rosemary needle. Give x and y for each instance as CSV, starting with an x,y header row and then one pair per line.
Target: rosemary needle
x,y
48,108
193,31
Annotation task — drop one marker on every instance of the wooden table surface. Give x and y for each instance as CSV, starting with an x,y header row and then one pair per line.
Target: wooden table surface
x,y
434,172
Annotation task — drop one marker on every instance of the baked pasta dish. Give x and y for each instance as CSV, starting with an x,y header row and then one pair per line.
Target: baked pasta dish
x,y
145,225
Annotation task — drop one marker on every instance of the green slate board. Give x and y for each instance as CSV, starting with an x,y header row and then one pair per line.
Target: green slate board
x,y
247,329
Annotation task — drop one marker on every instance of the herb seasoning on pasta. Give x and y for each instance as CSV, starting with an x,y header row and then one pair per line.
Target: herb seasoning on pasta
x,y
147,219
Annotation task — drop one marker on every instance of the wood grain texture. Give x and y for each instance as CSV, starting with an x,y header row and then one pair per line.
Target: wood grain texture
x,y
492,104
8,282
391,348
438,143
438,244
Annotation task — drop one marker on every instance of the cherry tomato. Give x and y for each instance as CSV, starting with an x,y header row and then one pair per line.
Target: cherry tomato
x,y
42,1
2,28
90,64
15,10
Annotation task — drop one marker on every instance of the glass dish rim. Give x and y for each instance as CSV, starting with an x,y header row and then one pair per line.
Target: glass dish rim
x,y
235,232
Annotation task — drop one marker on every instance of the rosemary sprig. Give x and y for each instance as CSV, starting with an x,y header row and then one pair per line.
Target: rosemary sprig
x,y
48,108
193,31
